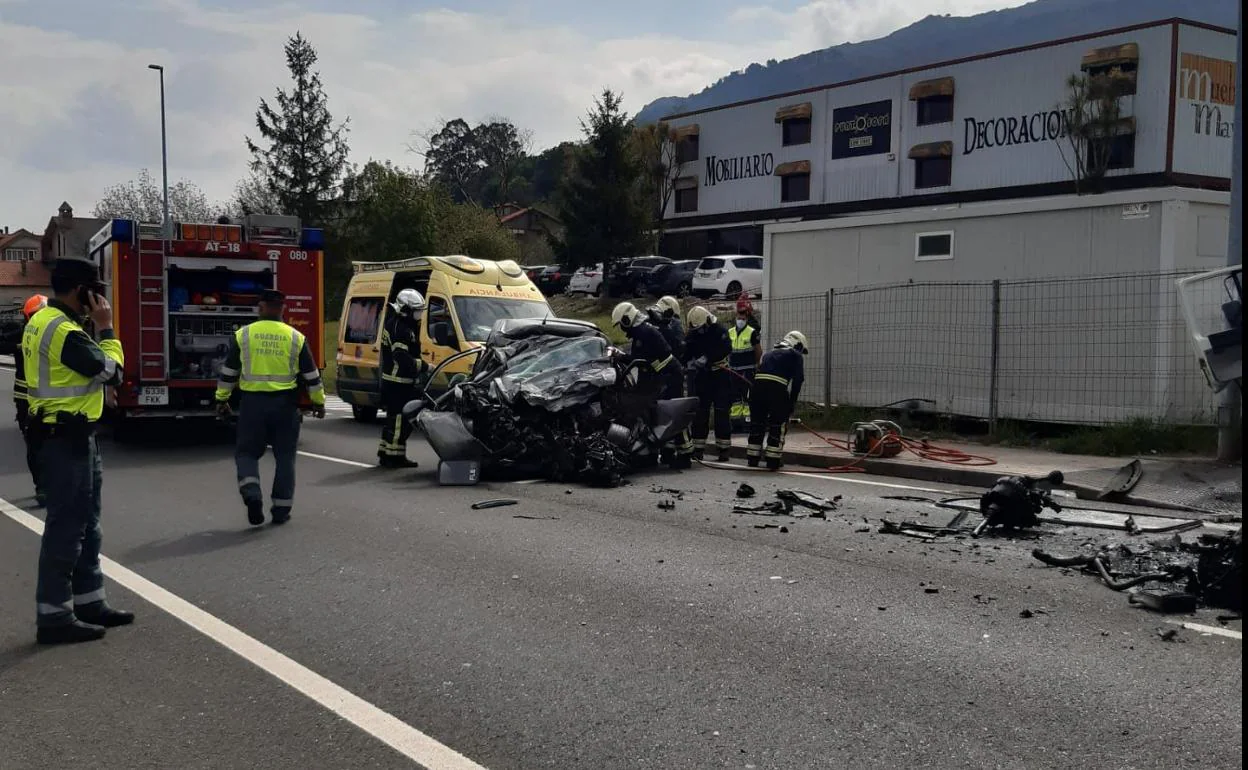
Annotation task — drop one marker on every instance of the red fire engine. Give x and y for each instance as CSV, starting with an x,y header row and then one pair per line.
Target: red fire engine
x,y
177,302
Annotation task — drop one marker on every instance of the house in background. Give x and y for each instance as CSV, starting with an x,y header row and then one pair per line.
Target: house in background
x,y
22,273
67,235
532,227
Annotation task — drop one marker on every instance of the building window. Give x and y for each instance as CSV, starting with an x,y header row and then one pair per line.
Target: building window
x,y
795,187
1112,71
686,195
12,255
933,172
32,254
687,149
795,131
930,247
1121,151
935,109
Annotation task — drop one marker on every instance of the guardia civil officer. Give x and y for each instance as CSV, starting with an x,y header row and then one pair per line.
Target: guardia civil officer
x,y
21,403
747,351
708,348
776,388
648,345
665,316
65,372
267,360
401,370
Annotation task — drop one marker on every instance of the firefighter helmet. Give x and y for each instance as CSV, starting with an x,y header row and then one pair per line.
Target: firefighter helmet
x,y
625,315
700,317
669,305
409,302
797,341
34,305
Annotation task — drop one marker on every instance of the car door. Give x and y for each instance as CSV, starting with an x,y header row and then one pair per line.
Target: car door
x,y
438,338
750,272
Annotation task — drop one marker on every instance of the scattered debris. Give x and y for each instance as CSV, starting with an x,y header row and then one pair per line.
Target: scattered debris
x,y
784,530
908,498
536,518
931,590
806,500
745,490
862,529
1015,502
1170,602
666,505
768,526
1132,527
786,501
493,504
1169,635
1026,614
893,528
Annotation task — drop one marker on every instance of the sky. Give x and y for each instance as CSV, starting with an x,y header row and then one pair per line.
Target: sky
x,y
80,110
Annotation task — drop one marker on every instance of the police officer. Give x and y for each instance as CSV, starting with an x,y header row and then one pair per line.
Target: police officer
x,y
21,403
776,387
747,351
649,345
708,348
65,373
401,368
665,316
267,360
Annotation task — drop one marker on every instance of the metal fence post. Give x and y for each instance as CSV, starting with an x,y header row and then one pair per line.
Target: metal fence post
x,y
996,357
827,353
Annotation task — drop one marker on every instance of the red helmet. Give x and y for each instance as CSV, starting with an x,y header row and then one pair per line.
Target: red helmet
x,y
34,305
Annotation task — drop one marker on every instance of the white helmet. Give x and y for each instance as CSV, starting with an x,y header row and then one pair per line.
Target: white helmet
x,y
700,317
797,341
409,302
625,315
669,305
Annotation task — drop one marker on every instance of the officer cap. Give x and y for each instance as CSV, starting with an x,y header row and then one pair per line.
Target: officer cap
x,y
272,296
75,271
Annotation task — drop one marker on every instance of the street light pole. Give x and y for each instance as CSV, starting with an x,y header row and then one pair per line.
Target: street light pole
x,y
1230,430
167,224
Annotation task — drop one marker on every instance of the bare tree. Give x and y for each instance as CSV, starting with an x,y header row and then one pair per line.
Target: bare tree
x,y
501,147
254,195
655,147
142,199
1091,118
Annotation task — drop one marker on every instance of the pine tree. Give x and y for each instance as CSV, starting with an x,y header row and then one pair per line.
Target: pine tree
x,y
603,215
306,156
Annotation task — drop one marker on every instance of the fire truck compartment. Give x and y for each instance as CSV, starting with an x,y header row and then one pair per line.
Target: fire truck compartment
x,y
217,289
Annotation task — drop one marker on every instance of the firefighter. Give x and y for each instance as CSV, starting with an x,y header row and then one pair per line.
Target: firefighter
x,y
65,372
665,314
747,351
776,388
21,403
649,345
401,368
267,360
708,348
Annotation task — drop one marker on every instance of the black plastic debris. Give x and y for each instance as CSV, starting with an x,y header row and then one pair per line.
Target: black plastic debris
x,y
1015,502
536,518
666,505
745,490
493,504
1170,602
806,500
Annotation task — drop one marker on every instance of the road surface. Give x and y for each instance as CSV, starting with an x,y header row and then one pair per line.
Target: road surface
x,y
390,625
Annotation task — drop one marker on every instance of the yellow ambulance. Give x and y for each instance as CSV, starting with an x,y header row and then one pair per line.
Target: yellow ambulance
x,y
464,298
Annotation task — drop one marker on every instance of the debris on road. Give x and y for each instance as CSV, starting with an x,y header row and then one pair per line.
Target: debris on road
x,y
1170,635
493,504
745,490
536,518
666,505
787,500
1015,502
1171,602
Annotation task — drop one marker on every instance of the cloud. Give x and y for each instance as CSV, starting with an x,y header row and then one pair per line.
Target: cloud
x,y
84,113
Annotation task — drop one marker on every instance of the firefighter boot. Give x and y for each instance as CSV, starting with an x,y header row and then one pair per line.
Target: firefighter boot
x,y
100,614
69,633
255,512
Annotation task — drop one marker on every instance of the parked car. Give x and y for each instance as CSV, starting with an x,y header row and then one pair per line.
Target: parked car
x,y
10,331
533,271
628,275
729,275
675,279
587,280
553,280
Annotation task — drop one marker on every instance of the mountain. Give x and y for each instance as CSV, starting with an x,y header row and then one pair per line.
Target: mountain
x,y
939,38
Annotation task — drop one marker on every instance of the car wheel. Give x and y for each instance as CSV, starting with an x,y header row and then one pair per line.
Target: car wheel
x,y
598,290
365,414
683,289
734,289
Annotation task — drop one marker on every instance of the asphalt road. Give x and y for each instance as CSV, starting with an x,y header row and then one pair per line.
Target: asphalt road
x,y
602,632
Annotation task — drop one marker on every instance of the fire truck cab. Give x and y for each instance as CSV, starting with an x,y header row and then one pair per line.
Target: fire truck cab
x,y
177,302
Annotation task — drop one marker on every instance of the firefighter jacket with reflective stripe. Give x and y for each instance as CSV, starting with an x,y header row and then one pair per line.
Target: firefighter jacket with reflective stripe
x,y
709,342
785,366
649,345
401,364
269,357
743,344
65,371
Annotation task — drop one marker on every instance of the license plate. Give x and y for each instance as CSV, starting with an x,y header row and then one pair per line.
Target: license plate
x,y
154,395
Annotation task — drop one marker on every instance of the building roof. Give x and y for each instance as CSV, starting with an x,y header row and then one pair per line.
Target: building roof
x,y
19,233
520,213
77,233
28,273
951,62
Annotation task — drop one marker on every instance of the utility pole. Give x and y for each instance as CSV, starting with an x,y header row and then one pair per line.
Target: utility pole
x,y
1230,429
166,227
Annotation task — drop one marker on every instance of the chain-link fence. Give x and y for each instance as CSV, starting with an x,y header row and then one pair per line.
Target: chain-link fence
x,y
1074,350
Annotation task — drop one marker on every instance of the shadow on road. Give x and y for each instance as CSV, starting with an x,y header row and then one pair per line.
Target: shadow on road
x,y
194,544
16,656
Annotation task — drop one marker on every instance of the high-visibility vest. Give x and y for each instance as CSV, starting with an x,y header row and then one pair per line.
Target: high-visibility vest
x,y
53,387
742,356
269,354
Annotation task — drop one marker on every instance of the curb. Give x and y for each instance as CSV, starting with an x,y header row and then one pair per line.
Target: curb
x,y
968,477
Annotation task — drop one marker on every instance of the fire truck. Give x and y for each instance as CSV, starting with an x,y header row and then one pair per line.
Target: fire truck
x,y
177,302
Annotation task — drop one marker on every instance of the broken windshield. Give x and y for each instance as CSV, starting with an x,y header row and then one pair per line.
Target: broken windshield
x,y
477,315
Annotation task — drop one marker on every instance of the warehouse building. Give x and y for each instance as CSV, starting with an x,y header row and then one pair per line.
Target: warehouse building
x,y
965,171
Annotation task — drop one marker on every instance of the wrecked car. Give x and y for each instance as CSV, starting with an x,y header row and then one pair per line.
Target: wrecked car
x,y
549,398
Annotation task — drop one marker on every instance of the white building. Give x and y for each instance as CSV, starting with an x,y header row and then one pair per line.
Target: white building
x,y
929,185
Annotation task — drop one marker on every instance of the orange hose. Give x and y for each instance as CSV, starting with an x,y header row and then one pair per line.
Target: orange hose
x,y
921,448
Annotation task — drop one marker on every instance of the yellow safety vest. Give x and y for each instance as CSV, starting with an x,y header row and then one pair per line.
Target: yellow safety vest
x,y
269,356
53,387
742,356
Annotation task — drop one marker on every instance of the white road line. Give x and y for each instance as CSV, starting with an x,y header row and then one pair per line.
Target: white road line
x,y
386,728
844,478
1202,628
338,460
